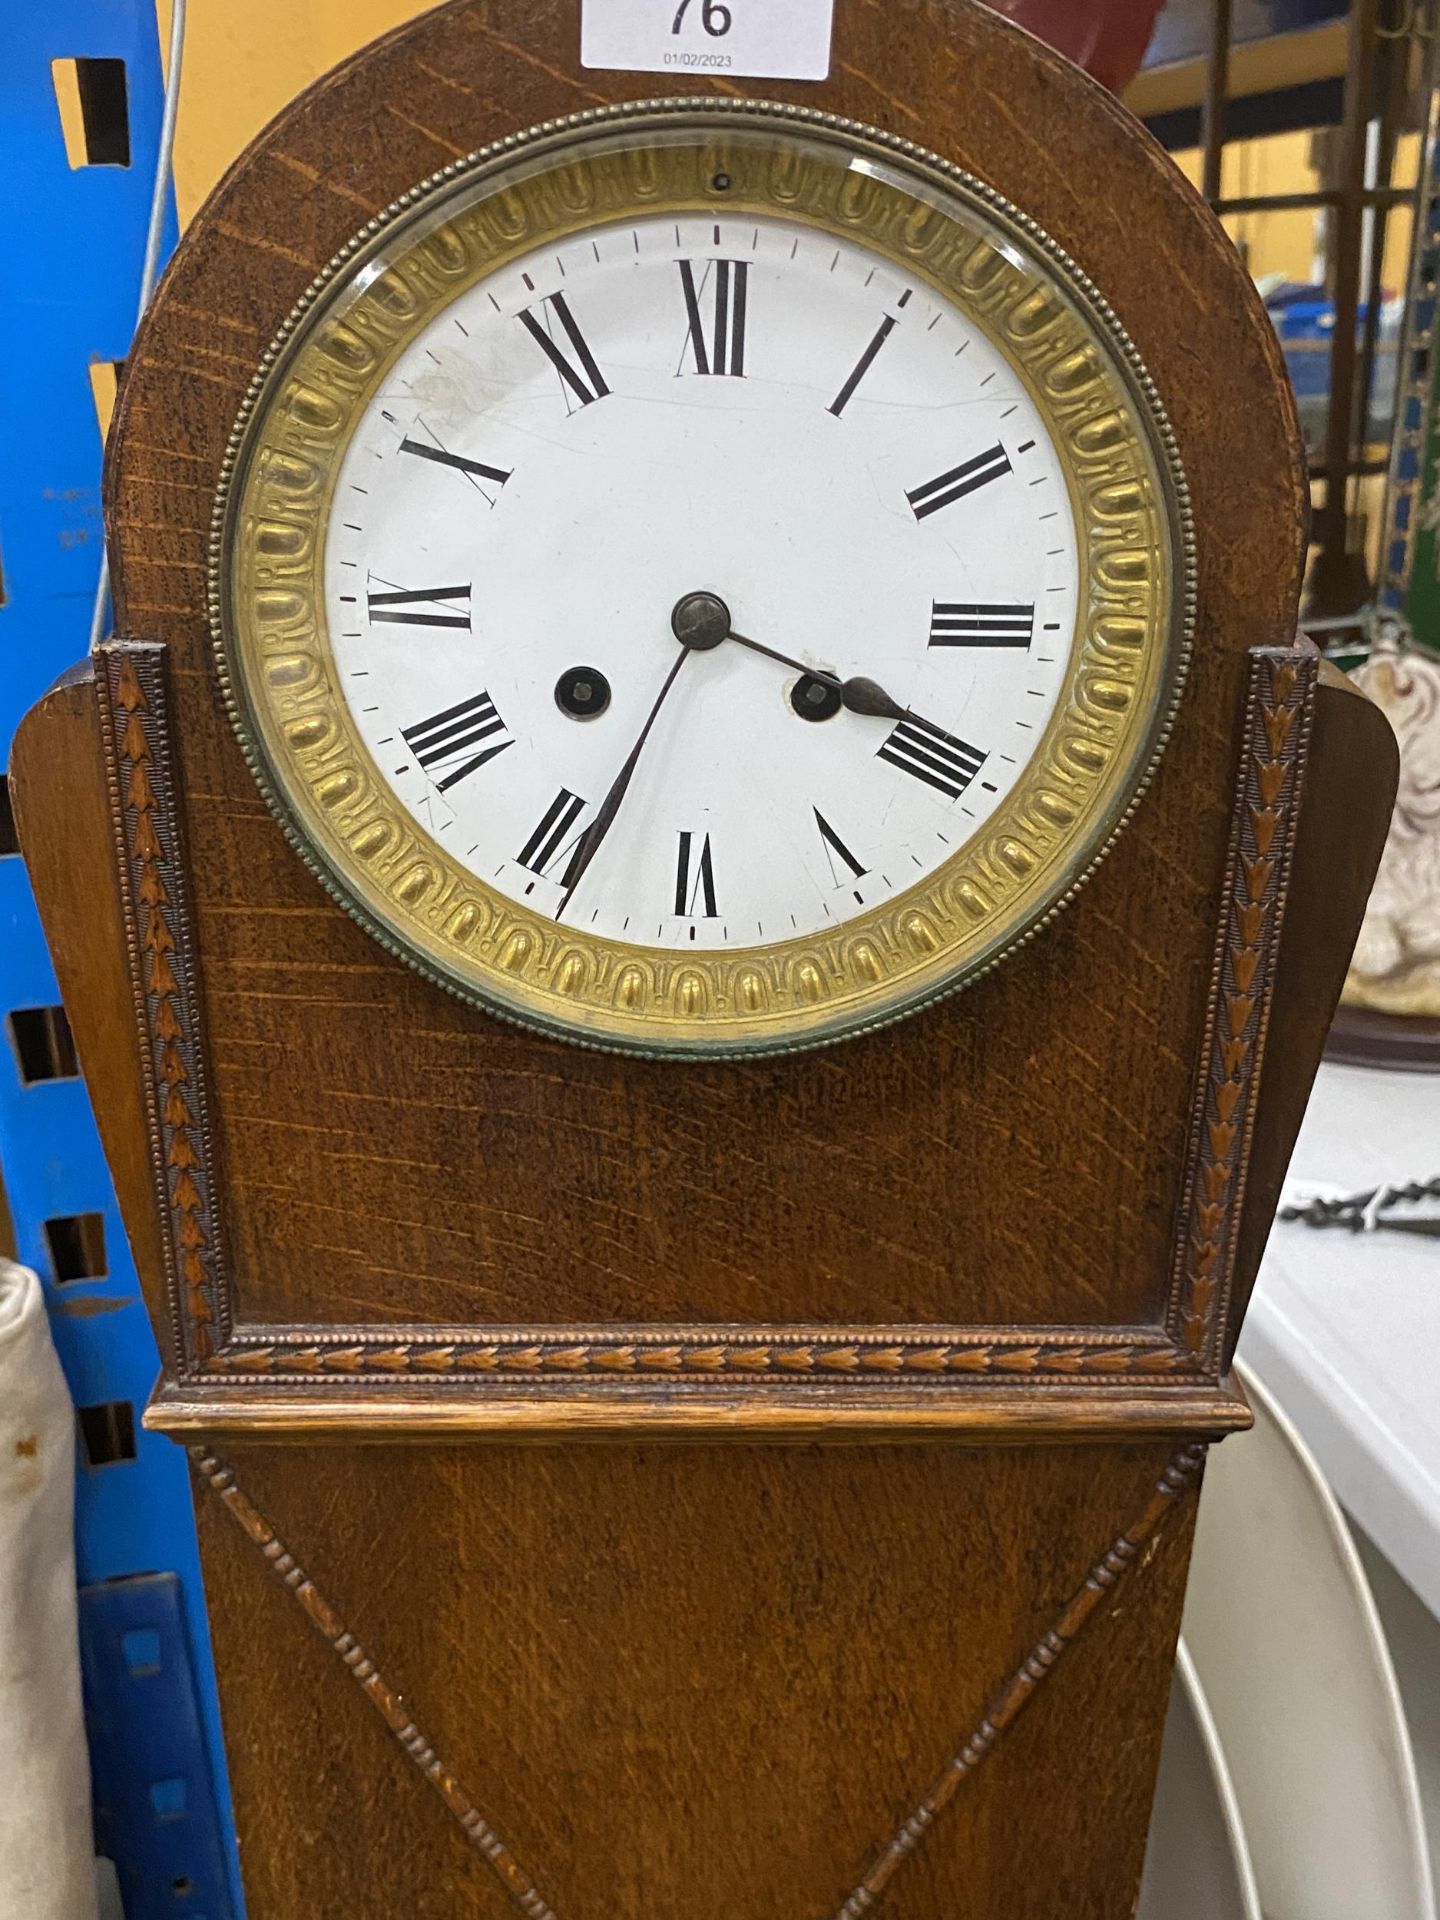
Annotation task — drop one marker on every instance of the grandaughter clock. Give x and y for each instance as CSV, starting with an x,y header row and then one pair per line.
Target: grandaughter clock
x,y
619,600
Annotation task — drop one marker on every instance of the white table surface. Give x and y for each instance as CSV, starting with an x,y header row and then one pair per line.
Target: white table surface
x,y
1345,1328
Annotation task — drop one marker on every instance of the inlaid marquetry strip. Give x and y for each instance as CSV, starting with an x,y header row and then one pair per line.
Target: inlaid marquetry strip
x,y
1279,706
680,1353
139,767
1017,1693
376,1689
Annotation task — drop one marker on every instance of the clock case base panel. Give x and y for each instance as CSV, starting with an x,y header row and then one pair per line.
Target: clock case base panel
x,y
691,1679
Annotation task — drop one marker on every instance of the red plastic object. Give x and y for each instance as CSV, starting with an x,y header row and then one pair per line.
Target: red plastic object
x,y
1106,37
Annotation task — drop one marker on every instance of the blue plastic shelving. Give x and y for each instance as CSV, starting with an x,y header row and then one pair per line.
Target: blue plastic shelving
x,y
69,280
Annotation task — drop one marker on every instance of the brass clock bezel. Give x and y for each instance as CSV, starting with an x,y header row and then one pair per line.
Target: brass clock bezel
x,y
1129,654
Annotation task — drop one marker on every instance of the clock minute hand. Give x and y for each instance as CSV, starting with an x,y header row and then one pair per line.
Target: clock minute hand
x,y
610,805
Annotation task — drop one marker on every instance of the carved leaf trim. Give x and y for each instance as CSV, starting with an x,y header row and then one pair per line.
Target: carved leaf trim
x,y
130,682
1279,702
793,1355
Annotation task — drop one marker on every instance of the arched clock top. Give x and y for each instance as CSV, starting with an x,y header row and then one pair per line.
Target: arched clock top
x,y
576,382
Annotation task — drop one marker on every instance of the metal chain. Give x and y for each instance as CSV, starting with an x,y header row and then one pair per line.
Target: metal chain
x,y
1364,1212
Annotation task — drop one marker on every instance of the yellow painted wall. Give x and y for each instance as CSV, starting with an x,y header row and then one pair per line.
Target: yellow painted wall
x,y
244,62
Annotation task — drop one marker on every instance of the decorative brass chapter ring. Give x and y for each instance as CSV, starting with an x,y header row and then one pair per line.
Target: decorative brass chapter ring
x,y
1126,658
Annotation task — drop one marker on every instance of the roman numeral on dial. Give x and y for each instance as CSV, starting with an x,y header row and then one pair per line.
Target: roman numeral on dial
x,y
407,606
694,878
949,487
459,461
982,623
861,368
446,743
932,755
548,845
579,374
721,349
836,850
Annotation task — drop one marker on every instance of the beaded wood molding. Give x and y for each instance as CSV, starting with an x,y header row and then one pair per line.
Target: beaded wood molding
x,y
159,941
1010,1701
315,1374
376,1689
1279,708
1005,1706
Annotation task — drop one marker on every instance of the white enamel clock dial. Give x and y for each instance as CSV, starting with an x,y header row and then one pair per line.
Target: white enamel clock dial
x,y
748,408
702,578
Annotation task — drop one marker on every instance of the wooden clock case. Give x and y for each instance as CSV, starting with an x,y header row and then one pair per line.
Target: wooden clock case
x,y
961,1295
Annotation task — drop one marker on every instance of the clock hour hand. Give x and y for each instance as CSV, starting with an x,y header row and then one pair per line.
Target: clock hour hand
x,y
858,694
702,620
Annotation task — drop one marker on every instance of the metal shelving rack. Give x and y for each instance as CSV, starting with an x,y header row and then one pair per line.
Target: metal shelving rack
x,y
71,274
1378,80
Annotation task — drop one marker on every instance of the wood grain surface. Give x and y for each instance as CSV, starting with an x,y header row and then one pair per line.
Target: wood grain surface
x,y
57,782
1354,763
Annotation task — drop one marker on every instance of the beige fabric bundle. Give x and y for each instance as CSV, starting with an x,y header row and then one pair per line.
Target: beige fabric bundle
x,y
46,1845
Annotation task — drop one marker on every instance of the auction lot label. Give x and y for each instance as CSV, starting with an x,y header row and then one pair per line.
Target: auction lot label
x,y
759,39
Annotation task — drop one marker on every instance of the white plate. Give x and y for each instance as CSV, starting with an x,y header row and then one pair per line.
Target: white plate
x,y
1289,1651
1197,1864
